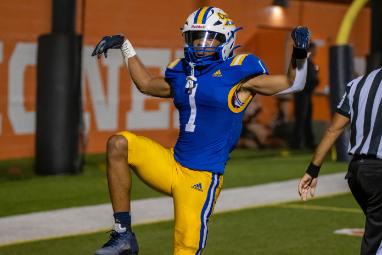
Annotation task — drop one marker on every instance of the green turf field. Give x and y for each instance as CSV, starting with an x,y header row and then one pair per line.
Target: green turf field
x,y
22,191
289,229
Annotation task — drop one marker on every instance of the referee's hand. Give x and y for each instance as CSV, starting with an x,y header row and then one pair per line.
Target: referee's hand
x,y
307,186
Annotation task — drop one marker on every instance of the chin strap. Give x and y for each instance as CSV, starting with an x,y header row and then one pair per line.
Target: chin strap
x,y
234,48
191,79
237,29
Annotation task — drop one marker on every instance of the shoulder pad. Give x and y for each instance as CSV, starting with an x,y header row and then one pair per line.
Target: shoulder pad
x,y
174,63
174,68
249,64
238,60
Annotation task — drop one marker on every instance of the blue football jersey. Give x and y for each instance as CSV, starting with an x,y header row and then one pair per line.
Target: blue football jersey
x,y
210,125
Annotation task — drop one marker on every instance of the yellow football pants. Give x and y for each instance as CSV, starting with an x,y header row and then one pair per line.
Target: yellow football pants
x,y
194,192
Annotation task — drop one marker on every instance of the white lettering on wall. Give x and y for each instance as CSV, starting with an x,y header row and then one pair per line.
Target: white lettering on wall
x,y
138,117
24,55
104,97
85,114
104,102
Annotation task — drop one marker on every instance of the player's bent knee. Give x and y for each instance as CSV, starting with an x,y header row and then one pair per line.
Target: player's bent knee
x,y
117,145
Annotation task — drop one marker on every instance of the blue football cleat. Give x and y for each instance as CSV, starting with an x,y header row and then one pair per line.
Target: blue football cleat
x,y
120,243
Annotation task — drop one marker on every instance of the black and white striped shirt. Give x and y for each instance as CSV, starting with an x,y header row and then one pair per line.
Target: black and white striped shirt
x,y
362,104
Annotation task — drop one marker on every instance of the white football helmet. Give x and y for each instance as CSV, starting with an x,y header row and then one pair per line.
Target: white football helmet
x,y
209,36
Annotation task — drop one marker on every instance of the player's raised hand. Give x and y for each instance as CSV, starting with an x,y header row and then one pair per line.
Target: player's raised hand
x,y
307,186
301,37
108,42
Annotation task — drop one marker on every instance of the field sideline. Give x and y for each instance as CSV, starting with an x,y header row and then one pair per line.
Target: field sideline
x,y
290,228
23,192
88,219
287,228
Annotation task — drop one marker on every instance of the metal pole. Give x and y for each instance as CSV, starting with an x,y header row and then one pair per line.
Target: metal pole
x,y
59,94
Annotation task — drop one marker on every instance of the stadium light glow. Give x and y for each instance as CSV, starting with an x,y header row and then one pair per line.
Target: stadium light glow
x,y
276,15
277,12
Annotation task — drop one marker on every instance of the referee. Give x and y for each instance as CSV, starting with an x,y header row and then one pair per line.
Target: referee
x,y
361,106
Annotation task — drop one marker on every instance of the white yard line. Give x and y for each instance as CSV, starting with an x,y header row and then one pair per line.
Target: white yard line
x,y
87,219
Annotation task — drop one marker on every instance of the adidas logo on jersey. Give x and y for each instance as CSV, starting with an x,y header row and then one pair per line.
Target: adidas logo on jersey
x,y
218,73
197,186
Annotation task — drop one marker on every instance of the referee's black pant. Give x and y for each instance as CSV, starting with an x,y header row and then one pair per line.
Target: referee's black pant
x,y
365,182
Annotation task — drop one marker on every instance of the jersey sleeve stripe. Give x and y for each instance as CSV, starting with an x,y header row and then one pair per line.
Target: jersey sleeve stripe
x,y
238,60
242,59
261,64
173,63
234,60
233,108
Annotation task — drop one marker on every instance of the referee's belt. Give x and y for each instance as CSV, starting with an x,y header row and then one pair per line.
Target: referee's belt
x,y
363,157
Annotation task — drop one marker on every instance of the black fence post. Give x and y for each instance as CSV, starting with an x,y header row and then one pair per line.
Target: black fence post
x,y
59,94
340,73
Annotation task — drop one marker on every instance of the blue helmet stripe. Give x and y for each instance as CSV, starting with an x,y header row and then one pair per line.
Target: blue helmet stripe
x,y
206,15
197,15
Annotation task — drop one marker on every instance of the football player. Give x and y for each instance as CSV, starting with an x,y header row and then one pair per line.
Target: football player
x,y
211,87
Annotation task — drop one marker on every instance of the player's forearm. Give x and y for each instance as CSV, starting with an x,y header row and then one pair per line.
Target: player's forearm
x,y
279,84
153,86
268,85
332,133
139,73
296,76
325,145
298,67
145,83
291,73
338,125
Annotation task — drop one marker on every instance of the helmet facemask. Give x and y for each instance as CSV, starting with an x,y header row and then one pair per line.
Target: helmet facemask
x,y
203,46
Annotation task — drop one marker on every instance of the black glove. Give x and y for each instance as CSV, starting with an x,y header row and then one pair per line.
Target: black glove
x,y
301,38
108,42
